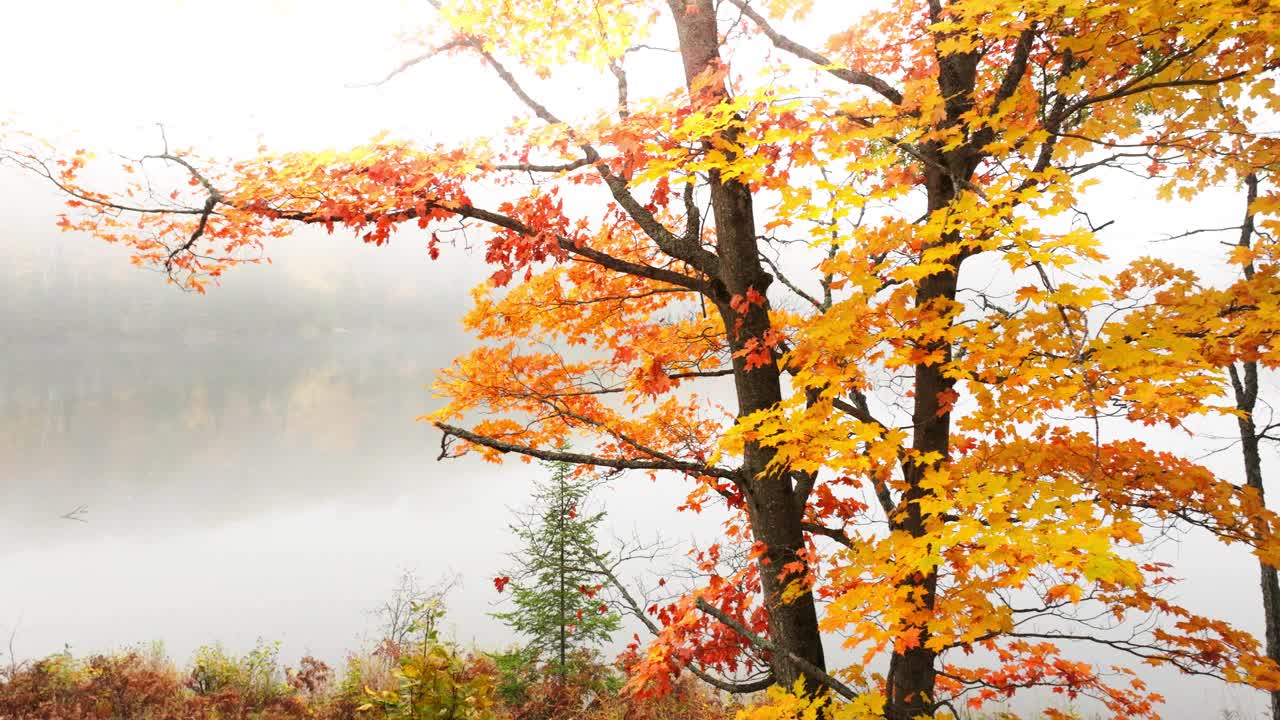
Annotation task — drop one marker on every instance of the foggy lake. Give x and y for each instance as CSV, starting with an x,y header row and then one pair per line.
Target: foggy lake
x,y
247,462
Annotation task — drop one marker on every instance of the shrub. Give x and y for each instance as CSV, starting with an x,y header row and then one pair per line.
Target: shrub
x,y
434,680
256,677
428,679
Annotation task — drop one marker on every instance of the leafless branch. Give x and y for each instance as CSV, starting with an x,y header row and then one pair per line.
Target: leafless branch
x,y
849,75
407,64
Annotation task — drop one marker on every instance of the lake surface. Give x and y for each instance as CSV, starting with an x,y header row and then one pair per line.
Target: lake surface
x,y
231,489
248,461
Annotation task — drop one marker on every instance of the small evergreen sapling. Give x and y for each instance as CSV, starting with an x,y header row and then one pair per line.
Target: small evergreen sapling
x,y
555,587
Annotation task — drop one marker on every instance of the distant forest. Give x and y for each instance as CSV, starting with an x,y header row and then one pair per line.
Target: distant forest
x,y
53,295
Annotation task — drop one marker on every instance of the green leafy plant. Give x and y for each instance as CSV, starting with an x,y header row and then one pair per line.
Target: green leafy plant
x,y
256,676
432,677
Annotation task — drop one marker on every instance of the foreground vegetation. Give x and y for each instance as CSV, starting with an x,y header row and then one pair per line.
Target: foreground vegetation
x,y
421,679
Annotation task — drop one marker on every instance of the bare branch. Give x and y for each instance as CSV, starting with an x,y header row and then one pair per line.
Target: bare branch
x,y
782,42
790,285
452,45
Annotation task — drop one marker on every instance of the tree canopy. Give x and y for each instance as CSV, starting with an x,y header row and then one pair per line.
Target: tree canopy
x,y
877,246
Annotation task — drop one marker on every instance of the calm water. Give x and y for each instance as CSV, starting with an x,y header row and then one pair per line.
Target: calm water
x,y
232,489
248,462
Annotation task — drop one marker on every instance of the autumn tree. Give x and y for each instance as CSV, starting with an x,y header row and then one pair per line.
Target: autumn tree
x,y
1244,374
878,246
557,603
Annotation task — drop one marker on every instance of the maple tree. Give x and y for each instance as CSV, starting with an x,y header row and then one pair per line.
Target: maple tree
x,y
1245,373
1244,376
941,465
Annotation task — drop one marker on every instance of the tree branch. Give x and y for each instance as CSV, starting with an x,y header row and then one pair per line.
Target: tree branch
x,y
452,45
509,223
577,458
812,670
837,535
849,75
544,168
687,249
633,607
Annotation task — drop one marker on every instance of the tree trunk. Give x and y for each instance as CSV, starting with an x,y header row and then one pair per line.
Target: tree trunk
x,y
560,570
1244,384
912,673
773,506
1269,580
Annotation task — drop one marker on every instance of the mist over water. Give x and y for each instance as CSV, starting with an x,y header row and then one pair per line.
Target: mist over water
x,y
248,461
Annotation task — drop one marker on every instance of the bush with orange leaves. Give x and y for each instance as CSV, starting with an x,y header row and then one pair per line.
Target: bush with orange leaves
x,y
137,685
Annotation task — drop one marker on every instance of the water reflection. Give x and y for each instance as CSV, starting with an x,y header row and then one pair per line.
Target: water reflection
x,y
248,459
211,431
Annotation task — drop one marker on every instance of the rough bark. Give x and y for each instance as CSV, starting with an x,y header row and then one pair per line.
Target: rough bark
x,y
1244,384
773,507
912,672
1270,582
